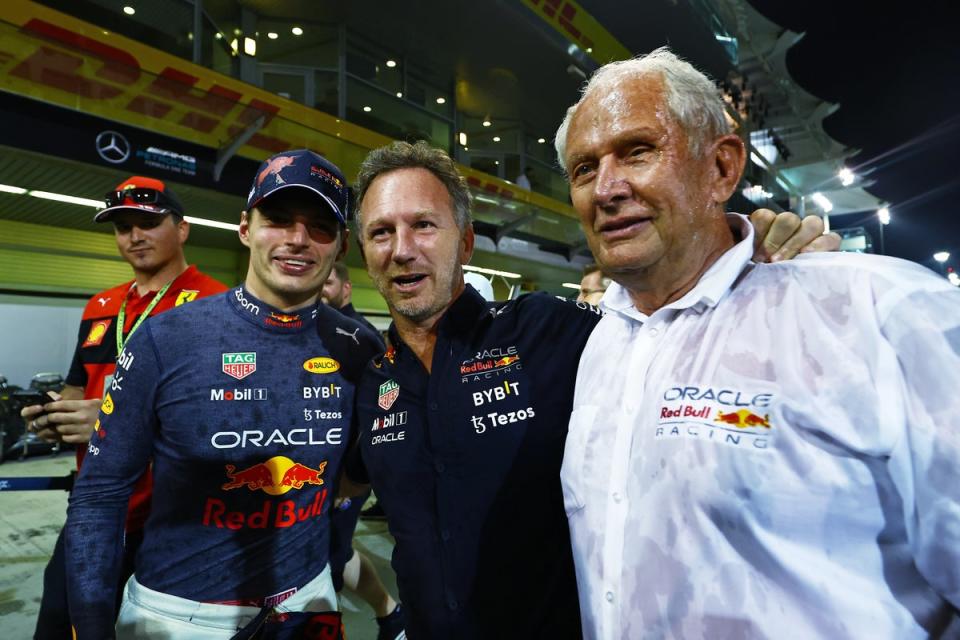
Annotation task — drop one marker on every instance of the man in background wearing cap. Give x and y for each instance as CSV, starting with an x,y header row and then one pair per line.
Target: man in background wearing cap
x,y
243,403
150,232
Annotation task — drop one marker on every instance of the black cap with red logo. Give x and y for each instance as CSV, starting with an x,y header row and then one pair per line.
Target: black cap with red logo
x,y
141,195
305,169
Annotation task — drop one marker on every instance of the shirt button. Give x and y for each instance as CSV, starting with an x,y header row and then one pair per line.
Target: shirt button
x,y
654,331
609,596
439,466
433,406
445,535
452,603
616,497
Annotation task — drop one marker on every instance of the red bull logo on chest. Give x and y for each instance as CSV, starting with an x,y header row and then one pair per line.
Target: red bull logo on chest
x,y
276,476
735,417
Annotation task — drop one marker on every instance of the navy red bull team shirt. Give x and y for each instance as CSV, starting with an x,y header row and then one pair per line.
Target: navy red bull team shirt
x,y
245,412
466,463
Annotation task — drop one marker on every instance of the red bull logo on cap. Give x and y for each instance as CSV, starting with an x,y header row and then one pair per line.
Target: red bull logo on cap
x,y
276,476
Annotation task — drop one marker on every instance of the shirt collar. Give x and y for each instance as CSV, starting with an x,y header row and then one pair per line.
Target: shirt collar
x,y
461,316
260,313
133,294
709,290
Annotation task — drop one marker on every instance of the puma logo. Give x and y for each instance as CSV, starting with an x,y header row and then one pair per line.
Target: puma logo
x,y
103,301
344,332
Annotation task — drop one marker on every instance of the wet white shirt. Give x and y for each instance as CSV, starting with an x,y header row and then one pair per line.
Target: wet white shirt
x,y
775,455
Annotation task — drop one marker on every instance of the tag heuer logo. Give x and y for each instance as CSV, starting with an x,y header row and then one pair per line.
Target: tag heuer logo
x,y
389,391
239,365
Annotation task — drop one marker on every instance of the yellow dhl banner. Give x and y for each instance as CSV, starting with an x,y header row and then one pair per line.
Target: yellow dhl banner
x,y
580,28
59,59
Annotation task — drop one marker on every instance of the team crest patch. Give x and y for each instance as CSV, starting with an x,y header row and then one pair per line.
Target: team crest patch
x,y
239,365
186,295
731,416
97,331
107,405
389,391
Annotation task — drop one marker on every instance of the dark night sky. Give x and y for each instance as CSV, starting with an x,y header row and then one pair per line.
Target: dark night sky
x,y
895,70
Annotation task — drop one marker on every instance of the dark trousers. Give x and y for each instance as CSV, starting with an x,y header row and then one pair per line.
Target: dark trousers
x,y
53,621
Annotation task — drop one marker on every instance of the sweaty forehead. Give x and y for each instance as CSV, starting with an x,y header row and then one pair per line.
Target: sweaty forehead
x,y
619,105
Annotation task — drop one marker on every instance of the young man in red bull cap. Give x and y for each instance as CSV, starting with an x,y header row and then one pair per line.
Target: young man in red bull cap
x,y
150,232
243,403
755,450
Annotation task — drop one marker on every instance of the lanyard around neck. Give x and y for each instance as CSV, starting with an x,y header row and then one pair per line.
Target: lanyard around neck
x,y
146,312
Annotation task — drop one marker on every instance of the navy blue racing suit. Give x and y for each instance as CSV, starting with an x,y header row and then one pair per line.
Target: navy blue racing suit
x,y
245,412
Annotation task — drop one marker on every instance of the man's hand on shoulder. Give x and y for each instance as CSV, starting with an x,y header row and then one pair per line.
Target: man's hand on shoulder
x,y
782,236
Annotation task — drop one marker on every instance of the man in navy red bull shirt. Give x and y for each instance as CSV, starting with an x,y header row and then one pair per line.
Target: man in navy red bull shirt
x,y
243,403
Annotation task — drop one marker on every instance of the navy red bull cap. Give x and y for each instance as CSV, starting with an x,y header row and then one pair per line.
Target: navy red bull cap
x,y
141,195
305,169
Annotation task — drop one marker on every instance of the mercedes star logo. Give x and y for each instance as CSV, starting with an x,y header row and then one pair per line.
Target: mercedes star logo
x,y
113,147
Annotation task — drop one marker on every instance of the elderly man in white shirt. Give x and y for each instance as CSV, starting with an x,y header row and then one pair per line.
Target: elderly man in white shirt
x,y
756,450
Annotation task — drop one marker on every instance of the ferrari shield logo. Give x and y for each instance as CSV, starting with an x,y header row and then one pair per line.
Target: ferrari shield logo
x,y
389,391
186,295
239,365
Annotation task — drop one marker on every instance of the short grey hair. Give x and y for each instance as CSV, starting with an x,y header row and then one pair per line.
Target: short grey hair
x,y
691,96
403,155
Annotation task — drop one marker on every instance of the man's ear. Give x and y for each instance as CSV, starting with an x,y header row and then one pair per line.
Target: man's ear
x,y
466,245
244,230
183,231
729,159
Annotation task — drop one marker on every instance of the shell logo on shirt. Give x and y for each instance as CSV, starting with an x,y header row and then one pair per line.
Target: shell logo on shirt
x,y
97,331
321,365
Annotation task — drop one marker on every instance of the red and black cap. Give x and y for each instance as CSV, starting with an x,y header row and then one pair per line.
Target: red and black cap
x,y
305,169
141,195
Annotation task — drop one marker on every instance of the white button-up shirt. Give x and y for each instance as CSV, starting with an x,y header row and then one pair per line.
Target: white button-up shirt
x,y
774,455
